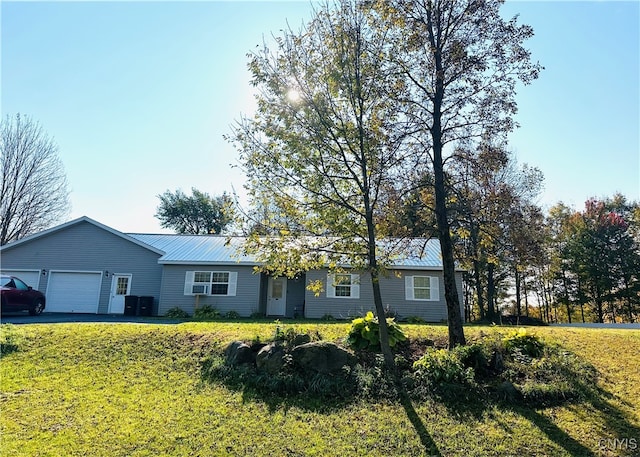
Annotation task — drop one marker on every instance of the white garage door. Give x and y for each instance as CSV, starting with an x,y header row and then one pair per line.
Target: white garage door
x,y
29,277
73,292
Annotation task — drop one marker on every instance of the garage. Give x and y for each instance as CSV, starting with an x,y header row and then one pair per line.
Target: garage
x,y
29,277
74,292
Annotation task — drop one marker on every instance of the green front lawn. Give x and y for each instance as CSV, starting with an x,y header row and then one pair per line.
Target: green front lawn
x,y
137,390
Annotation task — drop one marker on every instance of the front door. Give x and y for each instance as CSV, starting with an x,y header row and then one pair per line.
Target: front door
x,y
120,287
277,296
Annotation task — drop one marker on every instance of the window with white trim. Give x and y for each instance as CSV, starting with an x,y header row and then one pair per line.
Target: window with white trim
x,y
422,288
343,285
210,283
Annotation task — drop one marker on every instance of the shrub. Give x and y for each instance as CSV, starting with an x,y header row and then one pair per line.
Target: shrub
x,y
206,312
177,313
441,365
415,320
291,337
554,377
231,315
328,317
473,356
389,313
525,342
365,333
256,315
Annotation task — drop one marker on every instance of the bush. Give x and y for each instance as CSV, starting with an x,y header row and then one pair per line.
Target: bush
x,y
443,366
554,377
523,341
415,320
231,315
473,356
365,333
291,337
328,317
389,313
177,313
206,312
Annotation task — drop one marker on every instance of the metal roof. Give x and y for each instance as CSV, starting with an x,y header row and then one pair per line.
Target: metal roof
x,y
418,253
197,249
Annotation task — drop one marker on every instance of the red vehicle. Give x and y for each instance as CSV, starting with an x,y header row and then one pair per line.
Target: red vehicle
x,y
17,296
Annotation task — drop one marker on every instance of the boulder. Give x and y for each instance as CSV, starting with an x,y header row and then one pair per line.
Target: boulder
x,y
300,339
239,353
271,358
322,357
507,391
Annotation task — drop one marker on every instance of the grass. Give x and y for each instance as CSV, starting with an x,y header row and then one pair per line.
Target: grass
x,y
137,390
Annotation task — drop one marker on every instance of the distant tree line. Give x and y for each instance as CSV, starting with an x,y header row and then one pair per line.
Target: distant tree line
x,y
568,265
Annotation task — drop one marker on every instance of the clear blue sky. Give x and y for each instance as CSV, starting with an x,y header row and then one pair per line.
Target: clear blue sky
x,y
139,94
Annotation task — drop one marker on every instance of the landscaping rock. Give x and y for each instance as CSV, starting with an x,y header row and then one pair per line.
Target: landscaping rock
x,y
496,364
300,339
508,392
239,353
322,357
256,347
271,358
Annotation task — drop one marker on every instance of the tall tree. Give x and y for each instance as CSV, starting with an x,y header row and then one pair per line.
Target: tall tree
x,y
492,211
597,259
556,244
198,213
324,148
33,188
463,60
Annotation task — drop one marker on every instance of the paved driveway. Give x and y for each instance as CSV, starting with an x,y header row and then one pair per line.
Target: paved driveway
x,y
635,326
53,318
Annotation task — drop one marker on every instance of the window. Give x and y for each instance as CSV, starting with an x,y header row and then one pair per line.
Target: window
x,y
343,285
210,283
425,288
20,285
122,285
219,283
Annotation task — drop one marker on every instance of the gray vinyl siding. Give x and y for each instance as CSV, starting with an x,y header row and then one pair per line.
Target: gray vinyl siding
x,y
392,288
86,247
245,302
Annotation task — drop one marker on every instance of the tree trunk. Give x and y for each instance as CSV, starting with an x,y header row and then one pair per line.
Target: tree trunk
x,y
476,269
491,289
382,320
375,282
627,294
547,298
526,295
566,294
580,299
518,301
479,297
454,317
612,306
599,306
468,300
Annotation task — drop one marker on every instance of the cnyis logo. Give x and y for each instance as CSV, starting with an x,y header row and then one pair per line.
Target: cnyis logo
x,y
619,444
